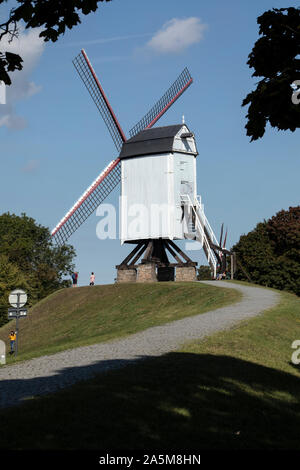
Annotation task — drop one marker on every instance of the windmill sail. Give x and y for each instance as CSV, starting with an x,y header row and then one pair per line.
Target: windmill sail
x,y
224,244
221,236
163,104
95,194
110,177
89,78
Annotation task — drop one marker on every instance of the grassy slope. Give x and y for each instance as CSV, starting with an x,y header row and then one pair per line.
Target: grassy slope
x,y
87,315
236,389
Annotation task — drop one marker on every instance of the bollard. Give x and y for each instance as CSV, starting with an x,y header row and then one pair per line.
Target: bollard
x,y
2,352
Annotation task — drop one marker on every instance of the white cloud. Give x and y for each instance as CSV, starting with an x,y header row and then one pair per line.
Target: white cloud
x,y
30,47
106,40
177,35
10,119
31,166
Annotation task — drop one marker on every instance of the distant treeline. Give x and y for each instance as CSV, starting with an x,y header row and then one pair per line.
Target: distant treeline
x,y
271,252
29,260
269,255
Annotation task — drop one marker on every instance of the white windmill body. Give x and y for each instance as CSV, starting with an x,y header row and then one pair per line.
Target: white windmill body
x,y
158,165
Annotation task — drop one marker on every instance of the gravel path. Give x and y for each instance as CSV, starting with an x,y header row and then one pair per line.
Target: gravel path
x,y
50,373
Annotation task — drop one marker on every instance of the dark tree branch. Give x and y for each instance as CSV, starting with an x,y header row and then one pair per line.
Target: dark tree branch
x,y
54,16
274,59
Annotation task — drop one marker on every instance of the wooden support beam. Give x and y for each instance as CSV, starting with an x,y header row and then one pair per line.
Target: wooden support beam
x,y
180,262
139,254
148,252
131,254
184,256
159,254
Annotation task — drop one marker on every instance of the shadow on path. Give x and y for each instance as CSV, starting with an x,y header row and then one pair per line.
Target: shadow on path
x,y
176,401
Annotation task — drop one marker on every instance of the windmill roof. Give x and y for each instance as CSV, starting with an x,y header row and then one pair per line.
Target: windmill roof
x,y
151,141
156,133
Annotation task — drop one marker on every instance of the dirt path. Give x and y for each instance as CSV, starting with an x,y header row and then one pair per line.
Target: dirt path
x,y
48,374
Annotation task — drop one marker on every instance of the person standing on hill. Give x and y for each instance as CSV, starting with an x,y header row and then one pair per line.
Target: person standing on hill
x,y
12,338
75,278
92,279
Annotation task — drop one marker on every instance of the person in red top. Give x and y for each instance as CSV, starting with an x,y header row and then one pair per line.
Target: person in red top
x,y
75,278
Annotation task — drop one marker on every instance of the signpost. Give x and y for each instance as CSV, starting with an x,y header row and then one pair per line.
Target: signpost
x,y
12,312
17,299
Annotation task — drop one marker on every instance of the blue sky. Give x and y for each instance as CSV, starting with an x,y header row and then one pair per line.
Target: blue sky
x,y
53,142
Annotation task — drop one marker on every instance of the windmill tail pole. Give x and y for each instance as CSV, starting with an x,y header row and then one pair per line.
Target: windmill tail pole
x,y
225,239
243,269
221,236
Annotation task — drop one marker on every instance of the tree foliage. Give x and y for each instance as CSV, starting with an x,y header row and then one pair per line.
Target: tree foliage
x,y
275,57
53,16
204,273
271,252
10,278
28,258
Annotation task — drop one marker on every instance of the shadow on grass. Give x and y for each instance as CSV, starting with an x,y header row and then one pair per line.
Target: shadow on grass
x,y
177,401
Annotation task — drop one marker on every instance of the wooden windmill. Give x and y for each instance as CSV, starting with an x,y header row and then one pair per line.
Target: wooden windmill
x,y
156,167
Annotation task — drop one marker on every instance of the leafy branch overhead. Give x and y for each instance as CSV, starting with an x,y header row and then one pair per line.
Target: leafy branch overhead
x,y
275,57
53,16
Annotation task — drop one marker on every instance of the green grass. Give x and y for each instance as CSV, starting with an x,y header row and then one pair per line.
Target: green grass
x,y
235,390
81,316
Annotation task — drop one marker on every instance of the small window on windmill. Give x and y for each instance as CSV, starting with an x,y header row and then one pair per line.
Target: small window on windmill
x,y
182,163
185,187
187,139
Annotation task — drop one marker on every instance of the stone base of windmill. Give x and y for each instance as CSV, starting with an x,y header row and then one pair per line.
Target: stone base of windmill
x,y
146,272
186,273
141,273
166,273
155,265
126,275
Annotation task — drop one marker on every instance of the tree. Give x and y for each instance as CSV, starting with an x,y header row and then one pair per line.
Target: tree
x,y
28,246
54,16
275,57
204,273
271,252
11,277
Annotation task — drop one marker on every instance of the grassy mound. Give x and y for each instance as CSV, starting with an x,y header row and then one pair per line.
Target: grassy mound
x,y
237,389
81,316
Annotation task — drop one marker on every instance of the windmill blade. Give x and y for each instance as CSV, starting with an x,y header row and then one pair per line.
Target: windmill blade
x,y
163,104
89,78
221,236
95,194
225,238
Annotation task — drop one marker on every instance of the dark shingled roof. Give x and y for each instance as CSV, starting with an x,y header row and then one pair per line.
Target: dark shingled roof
x,y
151,141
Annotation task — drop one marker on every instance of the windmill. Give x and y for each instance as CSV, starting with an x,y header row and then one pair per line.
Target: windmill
x,y
156,164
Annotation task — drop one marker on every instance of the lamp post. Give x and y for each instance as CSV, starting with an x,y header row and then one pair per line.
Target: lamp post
x,y
17,299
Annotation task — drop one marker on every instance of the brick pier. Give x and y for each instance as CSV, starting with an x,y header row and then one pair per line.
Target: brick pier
x,y
185,273
146,273
126,275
